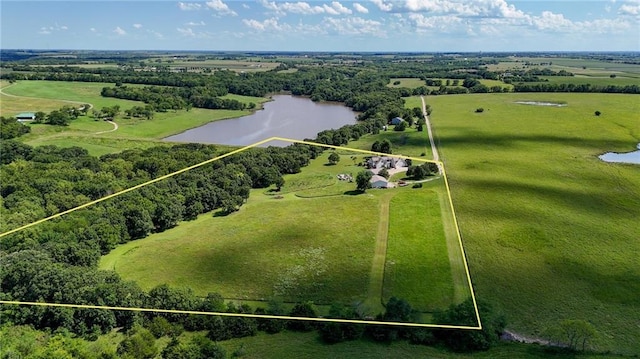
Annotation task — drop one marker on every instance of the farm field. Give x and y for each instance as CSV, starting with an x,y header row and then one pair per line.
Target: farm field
x,y
319,245
620,80
96,136
550,231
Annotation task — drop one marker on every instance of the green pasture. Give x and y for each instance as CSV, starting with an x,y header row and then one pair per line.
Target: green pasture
x,y
406,82
417,266
313,247
292,345
410,142
81,92
550,231
619,80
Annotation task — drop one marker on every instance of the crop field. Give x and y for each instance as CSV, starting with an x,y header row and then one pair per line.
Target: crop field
x,y
314,240
550,231
233,65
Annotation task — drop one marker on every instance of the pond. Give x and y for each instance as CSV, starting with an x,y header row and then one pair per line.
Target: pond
x,y
286,116
628,157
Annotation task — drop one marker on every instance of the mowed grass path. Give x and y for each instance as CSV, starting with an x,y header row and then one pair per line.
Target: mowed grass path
x,y
550,231
417,266
246,254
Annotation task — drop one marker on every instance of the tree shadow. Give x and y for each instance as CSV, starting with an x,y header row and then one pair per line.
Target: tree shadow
x,y
354,192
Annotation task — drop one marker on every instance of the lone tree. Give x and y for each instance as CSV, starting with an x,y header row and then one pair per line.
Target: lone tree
x,y
384,173
362,180
598,113
334,158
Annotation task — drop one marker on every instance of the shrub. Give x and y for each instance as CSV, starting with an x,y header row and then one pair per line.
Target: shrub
x,y
598,113
479,110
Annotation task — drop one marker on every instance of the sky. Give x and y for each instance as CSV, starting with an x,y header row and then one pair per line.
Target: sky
x,y
362,25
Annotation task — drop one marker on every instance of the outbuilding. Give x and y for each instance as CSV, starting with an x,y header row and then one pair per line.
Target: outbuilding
x,y
396,121
26,116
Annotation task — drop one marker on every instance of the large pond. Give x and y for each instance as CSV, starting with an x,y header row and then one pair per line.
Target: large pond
x,y
629,157
286,116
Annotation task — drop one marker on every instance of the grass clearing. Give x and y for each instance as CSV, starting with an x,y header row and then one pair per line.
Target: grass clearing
x,y
407,82
550,231
410,142
417,266
314,257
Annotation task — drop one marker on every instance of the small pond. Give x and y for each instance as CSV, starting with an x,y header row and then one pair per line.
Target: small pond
x,y
629,157
541,103
286,116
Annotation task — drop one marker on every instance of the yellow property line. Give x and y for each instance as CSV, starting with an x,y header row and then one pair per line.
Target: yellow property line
x,y
222,314
440,164
132,188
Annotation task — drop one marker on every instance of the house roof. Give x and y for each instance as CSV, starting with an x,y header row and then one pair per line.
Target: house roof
x,y
26,114
376,178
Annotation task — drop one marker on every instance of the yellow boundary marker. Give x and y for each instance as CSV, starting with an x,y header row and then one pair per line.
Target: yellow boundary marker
x,y
156,310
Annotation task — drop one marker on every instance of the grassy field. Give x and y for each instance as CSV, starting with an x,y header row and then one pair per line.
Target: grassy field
x,y
550,231
307,345
417,266
90,134
408,143
593,80
318,245
314,257
406,82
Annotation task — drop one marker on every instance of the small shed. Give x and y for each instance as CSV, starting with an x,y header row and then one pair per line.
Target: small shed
x,y
26,116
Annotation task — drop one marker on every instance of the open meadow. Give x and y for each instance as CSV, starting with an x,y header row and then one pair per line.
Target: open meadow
x,y
99,137
315,240
550,231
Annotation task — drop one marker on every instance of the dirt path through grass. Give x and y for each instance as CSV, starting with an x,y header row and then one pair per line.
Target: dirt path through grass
x,y
40,98
376,276
434,150
115,127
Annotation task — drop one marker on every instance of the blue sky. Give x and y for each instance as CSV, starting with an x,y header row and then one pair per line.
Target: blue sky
x,y
362,25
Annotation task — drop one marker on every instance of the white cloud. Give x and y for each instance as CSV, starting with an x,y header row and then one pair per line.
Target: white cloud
x,y
185,6
355,26
118,30
338,8
186,32
383,5
158,35
442,23
552,21
220,7
271,24
137,26
193,23
245,6
63,27
361,9
44,31
304,8
93,29
629,9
